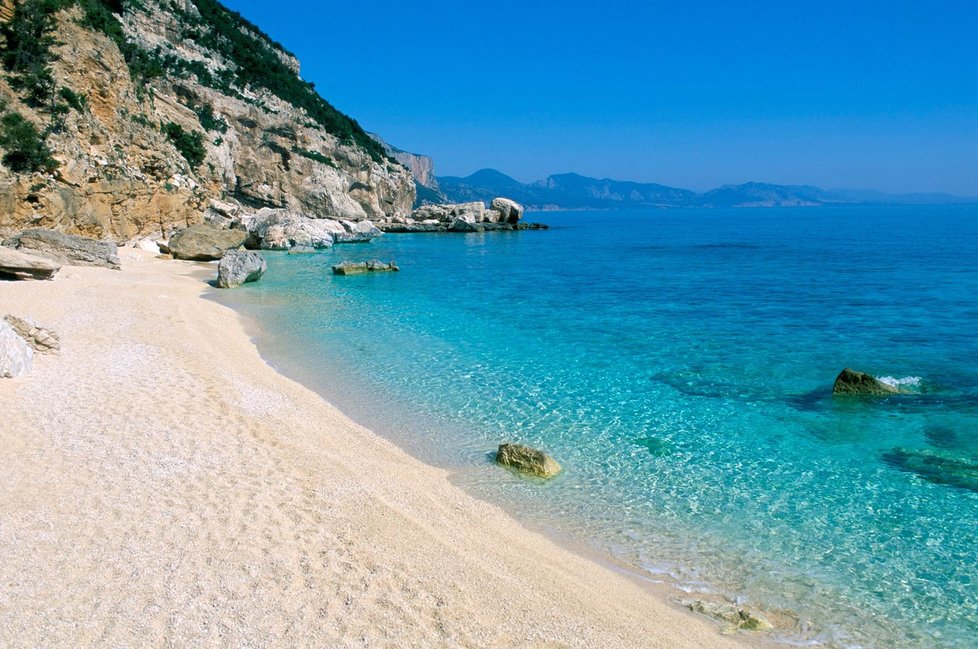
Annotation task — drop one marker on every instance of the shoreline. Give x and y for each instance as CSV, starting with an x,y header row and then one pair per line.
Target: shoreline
x,y
165,484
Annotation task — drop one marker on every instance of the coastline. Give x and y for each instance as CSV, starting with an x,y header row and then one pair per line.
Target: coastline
x,y
164,484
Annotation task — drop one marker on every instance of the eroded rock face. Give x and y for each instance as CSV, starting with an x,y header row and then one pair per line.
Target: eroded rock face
x,y
18,265
851,382
16,356
41,338
359,268
203,242
239,267
527,460
66,248
121,178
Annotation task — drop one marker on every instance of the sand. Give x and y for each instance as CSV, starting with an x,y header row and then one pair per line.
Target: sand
x,y
162,486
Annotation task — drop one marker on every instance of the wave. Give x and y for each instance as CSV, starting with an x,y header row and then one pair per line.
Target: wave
x,y
902,382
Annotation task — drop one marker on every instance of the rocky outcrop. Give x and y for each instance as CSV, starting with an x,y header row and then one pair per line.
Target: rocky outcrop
x,y
463,217
121,177
736,617
527,460
16,356
239,267
203,242
18,265
275,229
853,383
359,268
66,248
41,338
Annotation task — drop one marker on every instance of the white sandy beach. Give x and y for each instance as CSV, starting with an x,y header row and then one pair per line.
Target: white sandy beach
x,y
162,486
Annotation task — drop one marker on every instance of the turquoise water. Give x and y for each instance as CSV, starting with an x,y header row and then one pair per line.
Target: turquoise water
x,y
679,365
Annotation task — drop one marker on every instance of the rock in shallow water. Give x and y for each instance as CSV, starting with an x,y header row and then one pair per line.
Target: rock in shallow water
x,y
16,356
937,466
851,382
17,265
736,616
528,460
66,248
358,268
239,267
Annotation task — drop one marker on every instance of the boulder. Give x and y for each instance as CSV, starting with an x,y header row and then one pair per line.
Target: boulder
x,y
473,212
66,248
16,356
358,268
148,245
527,460
412,227
357,232
302,250
737,617
280,229
851,382
204,242
18,265
509,211
41,338
239,267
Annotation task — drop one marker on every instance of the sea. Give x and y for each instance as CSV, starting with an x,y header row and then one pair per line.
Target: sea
x,y
679,365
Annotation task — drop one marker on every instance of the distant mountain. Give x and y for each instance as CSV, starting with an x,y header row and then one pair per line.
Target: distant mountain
x,y
573,191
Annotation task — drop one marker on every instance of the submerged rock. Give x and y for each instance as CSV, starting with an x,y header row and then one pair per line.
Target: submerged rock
x,y
358,268
937,466
16,356
239,267
302,250
66,248
736,616
528,460
357,232
203,242
41,338
18,265
851,382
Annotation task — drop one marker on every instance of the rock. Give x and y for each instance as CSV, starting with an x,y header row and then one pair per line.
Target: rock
x,y
357,232
278,229
66,248
509,211
41,338
148,245
851,382
239,267
18,265
736,616
937,466
527,460
204,242
412,227
358,268
461,225
302,250
473,212
16,356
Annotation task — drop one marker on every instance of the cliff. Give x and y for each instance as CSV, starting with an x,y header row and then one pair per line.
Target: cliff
x,y
122,119
422,168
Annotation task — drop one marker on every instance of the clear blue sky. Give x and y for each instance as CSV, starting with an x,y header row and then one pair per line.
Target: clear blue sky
x,y
867,94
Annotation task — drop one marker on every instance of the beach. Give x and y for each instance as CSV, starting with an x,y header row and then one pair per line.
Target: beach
x,y
163,486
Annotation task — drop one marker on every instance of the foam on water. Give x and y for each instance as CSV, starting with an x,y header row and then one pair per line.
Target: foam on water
x,y
679,365
902,382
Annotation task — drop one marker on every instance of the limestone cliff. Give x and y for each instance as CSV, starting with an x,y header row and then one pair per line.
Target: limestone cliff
x,y
422,168
146,112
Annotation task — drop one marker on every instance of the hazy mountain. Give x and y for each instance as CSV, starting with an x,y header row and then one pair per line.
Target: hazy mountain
x,y
573,191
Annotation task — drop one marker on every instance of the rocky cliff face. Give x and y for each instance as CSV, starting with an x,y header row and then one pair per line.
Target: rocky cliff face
x,y
156,109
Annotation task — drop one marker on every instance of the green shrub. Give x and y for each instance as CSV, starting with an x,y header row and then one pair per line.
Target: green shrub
x,y
209,121
73,99
314,155
27,42
189,144
25,149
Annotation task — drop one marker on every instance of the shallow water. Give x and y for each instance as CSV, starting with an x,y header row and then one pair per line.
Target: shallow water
x,y
679,365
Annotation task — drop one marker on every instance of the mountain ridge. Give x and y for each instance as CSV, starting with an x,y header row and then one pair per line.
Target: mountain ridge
x,y
573,191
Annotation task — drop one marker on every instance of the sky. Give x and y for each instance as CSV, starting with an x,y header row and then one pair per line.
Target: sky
x,y
694,94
